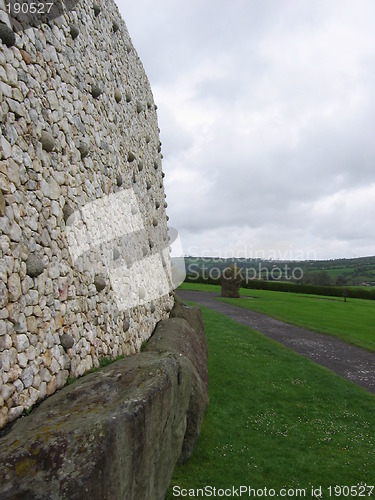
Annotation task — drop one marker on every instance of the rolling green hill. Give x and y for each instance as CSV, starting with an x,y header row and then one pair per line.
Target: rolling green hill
x,y
340,272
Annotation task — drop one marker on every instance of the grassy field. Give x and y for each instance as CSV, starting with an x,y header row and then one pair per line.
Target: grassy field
x,y
276,420
352,321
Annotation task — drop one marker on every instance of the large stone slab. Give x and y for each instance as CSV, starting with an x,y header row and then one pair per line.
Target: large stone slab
x,y
114,434
176,336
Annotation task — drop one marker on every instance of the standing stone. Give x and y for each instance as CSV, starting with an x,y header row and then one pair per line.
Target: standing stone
x,y
231,282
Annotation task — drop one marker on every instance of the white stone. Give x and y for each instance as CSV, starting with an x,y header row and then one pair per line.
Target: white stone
x,y
22,342
27,377
6,148
14,287
21,325
22,360
15,412
15,232
11,74
7,390
50,189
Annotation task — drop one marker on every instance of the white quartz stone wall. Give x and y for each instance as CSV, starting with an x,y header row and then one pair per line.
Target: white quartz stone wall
x,y
78,124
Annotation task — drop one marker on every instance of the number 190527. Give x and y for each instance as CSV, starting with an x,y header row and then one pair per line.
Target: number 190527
x,y
351,491
29,8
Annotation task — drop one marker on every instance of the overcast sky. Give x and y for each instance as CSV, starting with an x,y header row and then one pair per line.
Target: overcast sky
x,y
267,118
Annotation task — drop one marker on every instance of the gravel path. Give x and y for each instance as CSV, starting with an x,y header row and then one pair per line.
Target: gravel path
x,y
352,363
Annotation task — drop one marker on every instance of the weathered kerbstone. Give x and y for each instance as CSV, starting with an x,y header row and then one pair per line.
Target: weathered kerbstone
x,y
176,335
116,433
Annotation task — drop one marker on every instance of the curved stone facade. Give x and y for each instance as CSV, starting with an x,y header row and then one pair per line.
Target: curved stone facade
x,y
78,127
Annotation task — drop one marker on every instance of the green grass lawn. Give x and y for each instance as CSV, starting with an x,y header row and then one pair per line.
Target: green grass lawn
x,y
276,419
352,321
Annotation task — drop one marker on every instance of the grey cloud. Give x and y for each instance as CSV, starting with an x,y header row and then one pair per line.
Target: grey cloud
x,y
267,114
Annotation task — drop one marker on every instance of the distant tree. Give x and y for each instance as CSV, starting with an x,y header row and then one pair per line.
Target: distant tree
x,y
340,280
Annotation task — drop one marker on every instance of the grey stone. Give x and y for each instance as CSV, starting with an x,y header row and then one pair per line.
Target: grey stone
x,y
131,157
7,35
119,180
2,204
116,433
67,211
34,265
116,253
74,31
100,282
96,91
67,341
84,149
118,95
97,9
48,142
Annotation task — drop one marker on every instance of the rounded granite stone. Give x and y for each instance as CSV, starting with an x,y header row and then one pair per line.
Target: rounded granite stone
x,y
118,95
74,31
7,35
67,341
48,142
100,282
96,91
84,149
34,266
67,211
